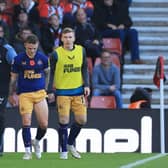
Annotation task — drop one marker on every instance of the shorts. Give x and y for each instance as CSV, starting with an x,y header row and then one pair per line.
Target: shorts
x,y
76,104
27,100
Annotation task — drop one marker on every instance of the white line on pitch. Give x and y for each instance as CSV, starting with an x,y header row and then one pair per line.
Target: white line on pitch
x,y
143,161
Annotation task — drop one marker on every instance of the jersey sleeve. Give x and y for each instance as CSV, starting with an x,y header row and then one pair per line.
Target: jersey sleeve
x,y
46,62
85,72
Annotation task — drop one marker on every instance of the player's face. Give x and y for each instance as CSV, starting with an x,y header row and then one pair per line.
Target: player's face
x,y
31,49
68,40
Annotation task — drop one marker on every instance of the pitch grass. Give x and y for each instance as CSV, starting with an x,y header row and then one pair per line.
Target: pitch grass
x,y
89,160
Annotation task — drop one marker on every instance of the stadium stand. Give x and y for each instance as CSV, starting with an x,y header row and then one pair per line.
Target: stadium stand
x,y
113,44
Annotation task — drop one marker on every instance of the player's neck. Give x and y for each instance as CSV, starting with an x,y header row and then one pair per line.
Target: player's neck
x,y
31,56
68,47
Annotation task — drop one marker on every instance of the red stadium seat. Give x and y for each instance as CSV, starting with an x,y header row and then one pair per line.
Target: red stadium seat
x,y
113,44
114,58
106,102
97,61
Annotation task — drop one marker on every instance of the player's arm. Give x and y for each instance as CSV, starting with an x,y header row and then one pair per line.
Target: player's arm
x,y
53,60
12,88
47,77
85,74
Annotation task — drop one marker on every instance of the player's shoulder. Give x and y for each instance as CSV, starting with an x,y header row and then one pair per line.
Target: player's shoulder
x,y
78,46
20,56
41,55
59,48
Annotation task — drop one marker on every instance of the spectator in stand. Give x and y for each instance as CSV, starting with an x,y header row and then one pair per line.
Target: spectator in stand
x,y
113,20
71,8
20,38
106,79
3,41
48,8
87,35
141,98
23,21
31,9
5,12
86,5
10,51
6,28
50,34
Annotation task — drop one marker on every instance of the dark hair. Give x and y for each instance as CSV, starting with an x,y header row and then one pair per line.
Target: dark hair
x,y
33,39
149,90
104,51
54,14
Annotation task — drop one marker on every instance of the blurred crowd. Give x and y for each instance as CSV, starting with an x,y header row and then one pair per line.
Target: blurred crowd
x,y
92,20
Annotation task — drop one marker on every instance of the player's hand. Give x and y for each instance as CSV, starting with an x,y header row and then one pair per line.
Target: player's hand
x,y
12,100
51,97
86,91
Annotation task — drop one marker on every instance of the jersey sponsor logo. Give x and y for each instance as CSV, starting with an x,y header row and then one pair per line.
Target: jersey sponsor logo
x,y
30,74
68,68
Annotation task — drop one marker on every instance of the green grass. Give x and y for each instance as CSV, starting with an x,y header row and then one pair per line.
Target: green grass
x,y
89,160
